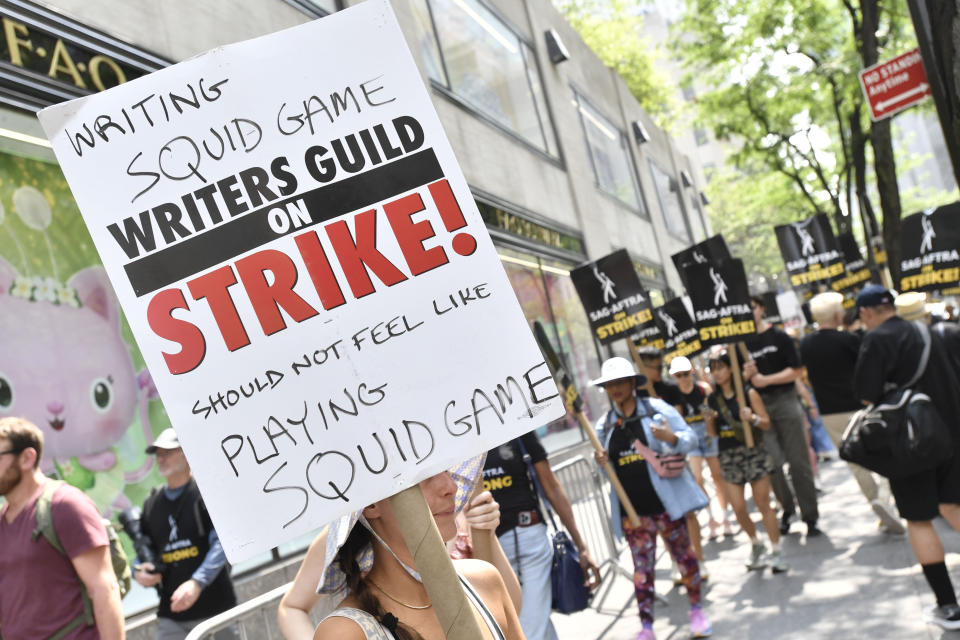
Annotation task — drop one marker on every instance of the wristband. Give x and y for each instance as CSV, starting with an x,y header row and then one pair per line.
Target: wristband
x,y
756,420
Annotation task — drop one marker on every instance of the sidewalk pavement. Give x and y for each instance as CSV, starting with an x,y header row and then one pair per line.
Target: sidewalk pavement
x,y
853,582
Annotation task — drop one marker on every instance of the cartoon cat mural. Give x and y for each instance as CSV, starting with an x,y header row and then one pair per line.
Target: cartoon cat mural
x,y
65,367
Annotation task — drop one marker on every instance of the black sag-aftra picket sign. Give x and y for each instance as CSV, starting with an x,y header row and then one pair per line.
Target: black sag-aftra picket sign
x,y
930,250
680,336
810,252
713,249
616,304
721,302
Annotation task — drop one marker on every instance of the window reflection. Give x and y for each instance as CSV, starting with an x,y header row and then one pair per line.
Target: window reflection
x,y
668,192
610,156
484,63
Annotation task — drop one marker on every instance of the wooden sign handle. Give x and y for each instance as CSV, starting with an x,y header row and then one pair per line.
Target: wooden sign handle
x,y
457,617
611,474
738,389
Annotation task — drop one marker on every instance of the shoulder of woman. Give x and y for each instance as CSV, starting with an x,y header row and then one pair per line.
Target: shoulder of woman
x,y
478,572
338,627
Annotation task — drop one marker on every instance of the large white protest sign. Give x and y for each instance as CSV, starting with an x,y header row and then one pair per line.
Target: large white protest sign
x,y
305,271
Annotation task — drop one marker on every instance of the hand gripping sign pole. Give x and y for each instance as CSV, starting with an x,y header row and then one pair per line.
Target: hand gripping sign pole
x,y
574,403
457,617
738,389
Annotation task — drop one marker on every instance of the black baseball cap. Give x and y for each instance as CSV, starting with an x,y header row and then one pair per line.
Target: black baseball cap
x,y
874,295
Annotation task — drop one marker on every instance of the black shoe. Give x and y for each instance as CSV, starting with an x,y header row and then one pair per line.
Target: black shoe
x,y
813,530
785,523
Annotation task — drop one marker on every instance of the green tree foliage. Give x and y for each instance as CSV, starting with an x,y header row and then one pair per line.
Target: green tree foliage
x,y
745,205
612,28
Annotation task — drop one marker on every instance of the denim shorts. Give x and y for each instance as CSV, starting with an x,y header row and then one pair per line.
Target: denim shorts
x,y
706,446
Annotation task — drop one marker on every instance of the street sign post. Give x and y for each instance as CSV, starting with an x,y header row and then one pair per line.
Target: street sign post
x,y
894,85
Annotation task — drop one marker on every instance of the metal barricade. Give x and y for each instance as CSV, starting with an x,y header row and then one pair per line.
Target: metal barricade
x,y
588,490
256,618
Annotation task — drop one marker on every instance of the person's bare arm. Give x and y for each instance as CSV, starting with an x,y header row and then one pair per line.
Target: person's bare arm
x,y
95,570
561,504
483,518
759,409
293,614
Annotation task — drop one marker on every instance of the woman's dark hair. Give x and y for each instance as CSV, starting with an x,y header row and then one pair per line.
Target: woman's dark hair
x,y
347,559
720,356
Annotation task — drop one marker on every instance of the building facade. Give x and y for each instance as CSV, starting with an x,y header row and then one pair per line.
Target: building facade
x,y
564,165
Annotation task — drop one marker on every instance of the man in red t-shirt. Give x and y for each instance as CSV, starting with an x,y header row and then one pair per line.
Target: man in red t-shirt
x,y
40,587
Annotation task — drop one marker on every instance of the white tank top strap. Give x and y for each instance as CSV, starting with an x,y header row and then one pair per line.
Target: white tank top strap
x,y
372,629
474,598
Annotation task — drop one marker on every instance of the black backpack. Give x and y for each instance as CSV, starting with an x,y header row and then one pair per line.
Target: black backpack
x,y
901,435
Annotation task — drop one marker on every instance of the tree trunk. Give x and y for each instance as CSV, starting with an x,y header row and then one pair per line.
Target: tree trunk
x,y
858,153
884,163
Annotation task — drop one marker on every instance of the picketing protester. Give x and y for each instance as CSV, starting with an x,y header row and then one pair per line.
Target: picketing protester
x,y
194,579
45,592
480,514
693,396
742,465
367,560
512,472
632,432
654,386
830,357
890,356
913,306
772,370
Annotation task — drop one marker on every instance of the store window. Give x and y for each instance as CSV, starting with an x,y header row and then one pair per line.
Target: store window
x,y
668,193
482,62
546,294
609,155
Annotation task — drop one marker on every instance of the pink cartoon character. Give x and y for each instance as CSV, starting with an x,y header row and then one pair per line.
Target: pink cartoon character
x,y
65,367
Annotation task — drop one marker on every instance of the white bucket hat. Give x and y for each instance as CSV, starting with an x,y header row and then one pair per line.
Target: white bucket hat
x,y
617,368
680,364
333,580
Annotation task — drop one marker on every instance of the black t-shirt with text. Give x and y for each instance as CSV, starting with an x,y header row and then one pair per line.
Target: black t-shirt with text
x,y
631,467
505,476
830,357
691,404
730,438
773,350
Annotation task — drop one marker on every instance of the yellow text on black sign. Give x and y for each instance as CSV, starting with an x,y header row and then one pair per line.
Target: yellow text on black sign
x,y
930,276
816,273
727,329
623,323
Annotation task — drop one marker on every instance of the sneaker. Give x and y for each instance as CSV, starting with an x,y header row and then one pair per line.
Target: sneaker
x,y
813,530
756,561
777,563
947,616
646,634
888,519
704,574
713,530
785,520
699,625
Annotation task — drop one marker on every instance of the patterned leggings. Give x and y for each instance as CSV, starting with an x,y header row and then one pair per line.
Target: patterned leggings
x,y
643,546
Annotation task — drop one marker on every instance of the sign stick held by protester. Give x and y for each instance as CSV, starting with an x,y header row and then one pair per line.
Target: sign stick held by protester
x,y
738,388
574,404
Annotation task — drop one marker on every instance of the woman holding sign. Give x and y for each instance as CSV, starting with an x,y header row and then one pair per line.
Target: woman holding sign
x,y
640,436
367,559
741,464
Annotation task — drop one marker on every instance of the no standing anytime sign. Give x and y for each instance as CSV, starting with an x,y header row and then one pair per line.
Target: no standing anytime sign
x,y
894,85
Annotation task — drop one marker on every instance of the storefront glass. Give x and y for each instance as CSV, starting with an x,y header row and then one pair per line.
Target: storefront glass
x,y
546,294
